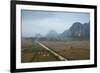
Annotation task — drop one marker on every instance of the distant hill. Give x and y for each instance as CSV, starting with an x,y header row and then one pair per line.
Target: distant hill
x,y
87,30
77,30
38,35
52,34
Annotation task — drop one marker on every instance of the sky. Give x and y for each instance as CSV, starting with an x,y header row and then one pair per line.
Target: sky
x,y
41,22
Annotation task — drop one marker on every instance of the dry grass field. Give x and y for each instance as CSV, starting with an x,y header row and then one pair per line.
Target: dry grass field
x,y
33,52
71,50
26,43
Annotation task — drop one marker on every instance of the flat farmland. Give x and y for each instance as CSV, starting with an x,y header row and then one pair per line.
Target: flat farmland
x,y
33,52
71,50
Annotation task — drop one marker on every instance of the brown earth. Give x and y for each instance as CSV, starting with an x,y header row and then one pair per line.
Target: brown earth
x,y
73,50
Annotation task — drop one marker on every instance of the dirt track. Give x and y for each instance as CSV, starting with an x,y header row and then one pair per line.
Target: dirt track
x,y
51,51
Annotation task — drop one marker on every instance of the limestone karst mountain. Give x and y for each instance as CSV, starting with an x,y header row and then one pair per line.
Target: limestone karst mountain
x,y
77,30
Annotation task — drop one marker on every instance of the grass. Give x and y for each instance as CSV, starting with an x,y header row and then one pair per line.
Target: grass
x,y
74,50
36,53
71,50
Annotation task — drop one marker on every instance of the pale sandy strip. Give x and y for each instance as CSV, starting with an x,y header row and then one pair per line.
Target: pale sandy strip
x,y
59,56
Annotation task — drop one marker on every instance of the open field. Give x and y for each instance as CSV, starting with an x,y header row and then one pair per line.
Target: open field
x,y
35,53
72,50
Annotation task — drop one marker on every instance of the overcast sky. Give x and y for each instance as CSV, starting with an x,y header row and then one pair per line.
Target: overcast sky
x,y
41,22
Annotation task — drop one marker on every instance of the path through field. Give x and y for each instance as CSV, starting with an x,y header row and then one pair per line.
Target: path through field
x,y
71,50
45,51
37,52
51,51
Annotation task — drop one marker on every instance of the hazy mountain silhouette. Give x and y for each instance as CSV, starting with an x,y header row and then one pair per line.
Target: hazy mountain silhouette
x,y
52,34
38,35
77,30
